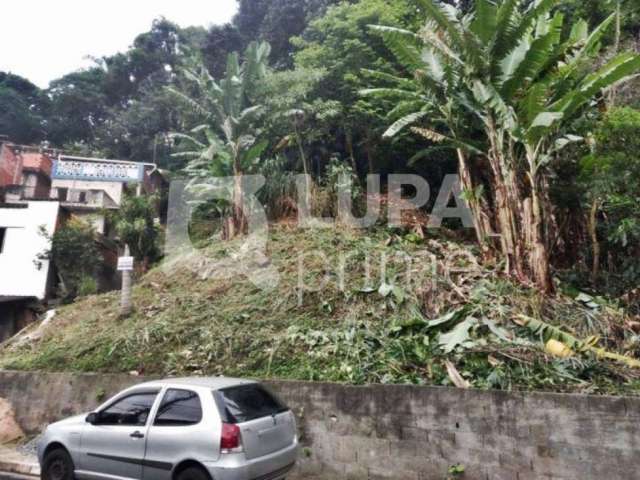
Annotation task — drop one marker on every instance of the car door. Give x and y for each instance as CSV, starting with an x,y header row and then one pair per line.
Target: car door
x,y
114,445
177,433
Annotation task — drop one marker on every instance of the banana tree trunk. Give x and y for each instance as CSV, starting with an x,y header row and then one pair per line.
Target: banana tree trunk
x,y
508,208
595,244
519,217
479,208
539,255
611,97
305,167
237,225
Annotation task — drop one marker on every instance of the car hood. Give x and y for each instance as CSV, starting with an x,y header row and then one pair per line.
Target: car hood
x,y
78,420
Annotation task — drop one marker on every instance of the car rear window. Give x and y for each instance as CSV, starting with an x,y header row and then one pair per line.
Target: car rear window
x,y
247,402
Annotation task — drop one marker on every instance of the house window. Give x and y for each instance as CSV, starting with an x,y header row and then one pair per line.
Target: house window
x,y
83,197
62,194
3,235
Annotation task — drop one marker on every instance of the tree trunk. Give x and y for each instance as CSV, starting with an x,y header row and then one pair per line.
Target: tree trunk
x,y
237,225
478,206
508,208
593,233
305,168
352,156
539,255
368,148
520,217
613,91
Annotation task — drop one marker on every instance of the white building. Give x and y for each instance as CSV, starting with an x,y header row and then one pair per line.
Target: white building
x,y
23,274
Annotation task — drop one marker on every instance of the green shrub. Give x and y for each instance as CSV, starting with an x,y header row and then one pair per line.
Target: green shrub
x,y
87,286
610,175
76,258
136,227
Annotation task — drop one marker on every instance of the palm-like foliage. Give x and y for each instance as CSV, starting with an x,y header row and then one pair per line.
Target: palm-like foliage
x,y
502,82
226,141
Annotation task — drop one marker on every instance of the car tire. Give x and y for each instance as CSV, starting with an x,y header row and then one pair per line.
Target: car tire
x,y
193,473
57,465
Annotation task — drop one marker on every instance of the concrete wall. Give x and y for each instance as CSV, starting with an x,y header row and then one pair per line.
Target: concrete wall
x,y
115,190
407,433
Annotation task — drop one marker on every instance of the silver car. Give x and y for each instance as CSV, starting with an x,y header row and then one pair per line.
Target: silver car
x,y
177,429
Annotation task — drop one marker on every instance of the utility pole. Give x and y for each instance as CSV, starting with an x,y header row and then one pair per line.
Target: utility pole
x,y
126,306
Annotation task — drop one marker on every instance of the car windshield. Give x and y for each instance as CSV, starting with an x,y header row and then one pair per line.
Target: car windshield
x,y
244,403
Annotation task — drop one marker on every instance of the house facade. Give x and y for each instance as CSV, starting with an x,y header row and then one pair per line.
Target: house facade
x,y
40,190
25,273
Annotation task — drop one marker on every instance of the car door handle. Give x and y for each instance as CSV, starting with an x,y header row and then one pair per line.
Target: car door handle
x,y
136,435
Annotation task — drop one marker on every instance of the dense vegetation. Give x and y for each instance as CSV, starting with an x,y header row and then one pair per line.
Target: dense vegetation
x,y
533,103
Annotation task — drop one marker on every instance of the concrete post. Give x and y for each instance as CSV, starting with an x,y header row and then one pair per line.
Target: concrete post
x,y
126,305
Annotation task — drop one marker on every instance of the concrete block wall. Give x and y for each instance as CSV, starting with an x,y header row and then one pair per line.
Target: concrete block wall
x,y
404,432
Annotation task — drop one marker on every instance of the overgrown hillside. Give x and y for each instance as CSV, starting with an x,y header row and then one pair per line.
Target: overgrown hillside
x,y
452,322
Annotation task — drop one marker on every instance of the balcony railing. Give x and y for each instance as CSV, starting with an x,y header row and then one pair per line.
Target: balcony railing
x,y
89,198
92,198
26,193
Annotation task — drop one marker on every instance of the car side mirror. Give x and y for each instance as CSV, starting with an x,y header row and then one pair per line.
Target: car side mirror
x,y
92,418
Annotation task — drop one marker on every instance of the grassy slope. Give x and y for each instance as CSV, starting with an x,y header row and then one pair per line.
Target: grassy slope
x,y
185,325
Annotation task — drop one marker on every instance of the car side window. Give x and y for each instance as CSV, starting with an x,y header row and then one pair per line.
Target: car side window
x,y
179,408
132,410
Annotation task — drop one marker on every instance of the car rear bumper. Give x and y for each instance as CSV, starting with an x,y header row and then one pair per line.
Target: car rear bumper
x,y
274,466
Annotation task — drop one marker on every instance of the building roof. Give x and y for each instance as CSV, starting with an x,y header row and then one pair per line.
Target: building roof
x,y
37,162
6,299
14,160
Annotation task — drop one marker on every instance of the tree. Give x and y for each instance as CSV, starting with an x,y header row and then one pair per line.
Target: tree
x,y
221,40
276,22
141,131
228,110
21,105
75,255
136,227
151,60
78,106
340,43
119,106
610,175
508,71
294,119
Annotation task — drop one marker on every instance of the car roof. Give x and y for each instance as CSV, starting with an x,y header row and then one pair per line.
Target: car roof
x,y
214,383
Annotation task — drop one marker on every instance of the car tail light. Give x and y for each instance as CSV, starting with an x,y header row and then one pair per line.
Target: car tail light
x,y
230,440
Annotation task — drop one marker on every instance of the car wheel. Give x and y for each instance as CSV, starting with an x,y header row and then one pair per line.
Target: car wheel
x,y
193,473
57,465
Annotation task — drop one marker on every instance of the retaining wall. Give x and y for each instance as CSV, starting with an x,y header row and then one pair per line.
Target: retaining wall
x,y
404,432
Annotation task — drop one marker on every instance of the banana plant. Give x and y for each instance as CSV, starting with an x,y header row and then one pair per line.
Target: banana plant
x,y
226,142
502,83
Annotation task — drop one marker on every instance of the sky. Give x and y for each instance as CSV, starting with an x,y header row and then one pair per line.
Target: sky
x,y
42,40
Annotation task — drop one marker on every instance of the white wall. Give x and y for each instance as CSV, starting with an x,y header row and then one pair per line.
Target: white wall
x,y
19,274
114,189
